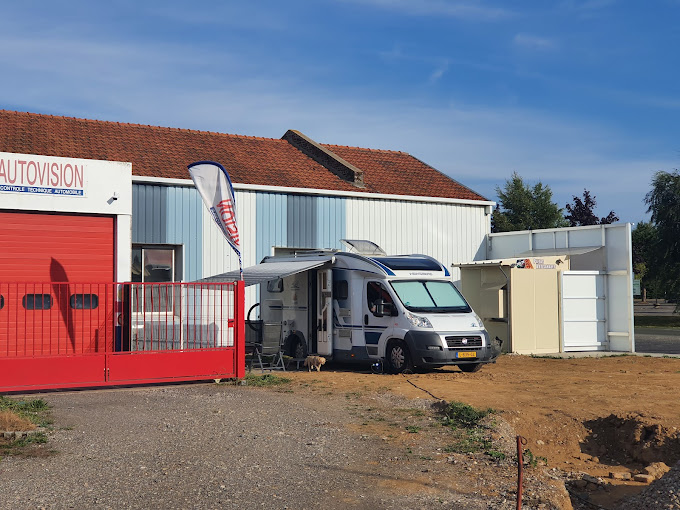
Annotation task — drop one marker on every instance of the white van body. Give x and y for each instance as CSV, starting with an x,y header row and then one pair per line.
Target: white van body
x,y
401,310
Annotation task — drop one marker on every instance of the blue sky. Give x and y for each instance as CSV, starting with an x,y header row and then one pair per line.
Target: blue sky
x,y
575,93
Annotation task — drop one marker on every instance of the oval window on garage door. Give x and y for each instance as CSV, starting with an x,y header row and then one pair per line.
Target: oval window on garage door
x,y
37,301
84,301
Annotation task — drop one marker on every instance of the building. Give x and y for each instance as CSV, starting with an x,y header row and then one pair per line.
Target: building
x,y
112,201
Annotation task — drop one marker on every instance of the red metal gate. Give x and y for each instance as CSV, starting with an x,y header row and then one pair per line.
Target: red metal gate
x,y
66,335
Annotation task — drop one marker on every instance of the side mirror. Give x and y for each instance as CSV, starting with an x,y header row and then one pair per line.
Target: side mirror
x,y
382,309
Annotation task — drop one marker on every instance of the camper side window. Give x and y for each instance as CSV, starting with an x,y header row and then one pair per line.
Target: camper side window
x,y
275,285
376,293
341,289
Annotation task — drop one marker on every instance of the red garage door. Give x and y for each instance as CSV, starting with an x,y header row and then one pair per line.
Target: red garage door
x,y
56,247
49,301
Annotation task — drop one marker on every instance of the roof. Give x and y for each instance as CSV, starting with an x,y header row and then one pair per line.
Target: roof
x,y
165,152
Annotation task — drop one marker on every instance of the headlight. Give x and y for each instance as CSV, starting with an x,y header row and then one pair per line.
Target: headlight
x,y
421,322
477,322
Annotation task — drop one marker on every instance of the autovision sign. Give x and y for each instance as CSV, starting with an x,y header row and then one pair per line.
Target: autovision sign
x,y
21,174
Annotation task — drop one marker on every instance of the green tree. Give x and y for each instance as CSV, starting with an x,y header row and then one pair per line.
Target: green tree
x,y
645,262
581,212
524,207
664,204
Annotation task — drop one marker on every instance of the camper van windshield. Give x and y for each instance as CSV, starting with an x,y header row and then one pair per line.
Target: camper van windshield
x,y
430,296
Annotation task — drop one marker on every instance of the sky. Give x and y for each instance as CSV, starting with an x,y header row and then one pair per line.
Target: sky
x,y
576,94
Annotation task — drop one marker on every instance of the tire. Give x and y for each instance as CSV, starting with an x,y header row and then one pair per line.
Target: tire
x,y
250,323
470,367
398,357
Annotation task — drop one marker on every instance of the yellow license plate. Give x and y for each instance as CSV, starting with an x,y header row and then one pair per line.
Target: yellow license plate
x,y
466,354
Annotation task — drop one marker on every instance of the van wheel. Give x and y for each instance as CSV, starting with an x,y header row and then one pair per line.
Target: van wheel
x,y
470,367
398,358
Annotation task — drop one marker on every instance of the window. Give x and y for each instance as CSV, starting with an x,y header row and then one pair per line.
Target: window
x,y
430,296
2,302
37,301
376,291
341,289
155,264
275,285
84,301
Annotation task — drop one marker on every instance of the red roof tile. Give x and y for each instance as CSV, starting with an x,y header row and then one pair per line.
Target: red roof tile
x,y
166,152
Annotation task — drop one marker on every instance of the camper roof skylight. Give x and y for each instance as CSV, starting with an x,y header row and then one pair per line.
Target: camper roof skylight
x,y
409,263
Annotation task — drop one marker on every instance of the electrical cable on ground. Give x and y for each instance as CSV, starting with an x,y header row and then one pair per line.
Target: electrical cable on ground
x,y
422,389
583,500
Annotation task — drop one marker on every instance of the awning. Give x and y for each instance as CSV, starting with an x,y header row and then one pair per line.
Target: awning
x,y
268,271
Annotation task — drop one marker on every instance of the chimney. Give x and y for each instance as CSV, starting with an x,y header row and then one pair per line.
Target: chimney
x,y
328,159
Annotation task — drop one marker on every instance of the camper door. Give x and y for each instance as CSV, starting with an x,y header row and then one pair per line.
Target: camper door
x,y
378,306
324,317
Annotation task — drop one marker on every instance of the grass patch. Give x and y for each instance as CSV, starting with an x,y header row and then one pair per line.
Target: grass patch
x,y
469,434
35,411
265,380
533,460
412,429
470,441
657,321
22,415
459,414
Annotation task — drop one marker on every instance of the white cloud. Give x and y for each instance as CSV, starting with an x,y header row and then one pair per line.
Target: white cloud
x,y
533,42
439,72
588,5
468,10
478,146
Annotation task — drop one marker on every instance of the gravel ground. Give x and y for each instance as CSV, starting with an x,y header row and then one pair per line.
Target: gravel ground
x,y
211,446
663,494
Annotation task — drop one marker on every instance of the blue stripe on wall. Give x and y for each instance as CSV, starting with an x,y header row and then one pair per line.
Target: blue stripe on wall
x,y
271,223
330,222
302,221
170,215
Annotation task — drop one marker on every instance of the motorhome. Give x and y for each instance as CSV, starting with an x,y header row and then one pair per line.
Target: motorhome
x,y
399,311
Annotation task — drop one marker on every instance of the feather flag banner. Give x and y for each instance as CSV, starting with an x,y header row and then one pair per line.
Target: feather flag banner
x,y
214,185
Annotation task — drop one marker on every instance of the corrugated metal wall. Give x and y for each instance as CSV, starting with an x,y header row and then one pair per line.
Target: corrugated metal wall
x,y
301,224
331,222
449,232
271,214
170,215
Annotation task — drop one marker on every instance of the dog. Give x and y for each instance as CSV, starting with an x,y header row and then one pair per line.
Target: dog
x,y
314,362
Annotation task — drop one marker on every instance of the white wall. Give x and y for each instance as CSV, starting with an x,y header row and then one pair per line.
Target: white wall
x,y
451,233
218,256
34,183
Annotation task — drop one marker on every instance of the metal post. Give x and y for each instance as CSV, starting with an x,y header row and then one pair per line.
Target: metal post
x,y
520,466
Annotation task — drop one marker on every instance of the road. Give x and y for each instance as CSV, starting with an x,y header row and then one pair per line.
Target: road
x,y
657,340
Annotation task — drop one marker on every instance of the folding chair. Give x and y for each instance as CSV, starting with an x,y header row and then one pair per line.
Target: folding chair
x,y
269,354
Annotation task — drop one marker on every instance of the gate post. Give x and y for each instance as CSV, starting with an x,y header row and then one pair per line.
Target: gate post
x,y
240,328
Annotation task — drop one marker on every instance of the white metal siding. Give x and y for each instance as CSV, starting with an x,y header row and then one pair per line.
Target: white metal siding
x,y
584,325
218,257
451,233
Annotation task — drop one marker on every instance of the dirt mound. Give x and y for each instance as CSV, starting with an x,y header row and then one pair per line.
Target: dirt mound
x,y
631,440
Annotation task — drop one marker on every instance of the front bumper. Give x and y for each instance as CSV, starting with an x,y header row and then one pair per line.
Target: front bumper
x,y
428,350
